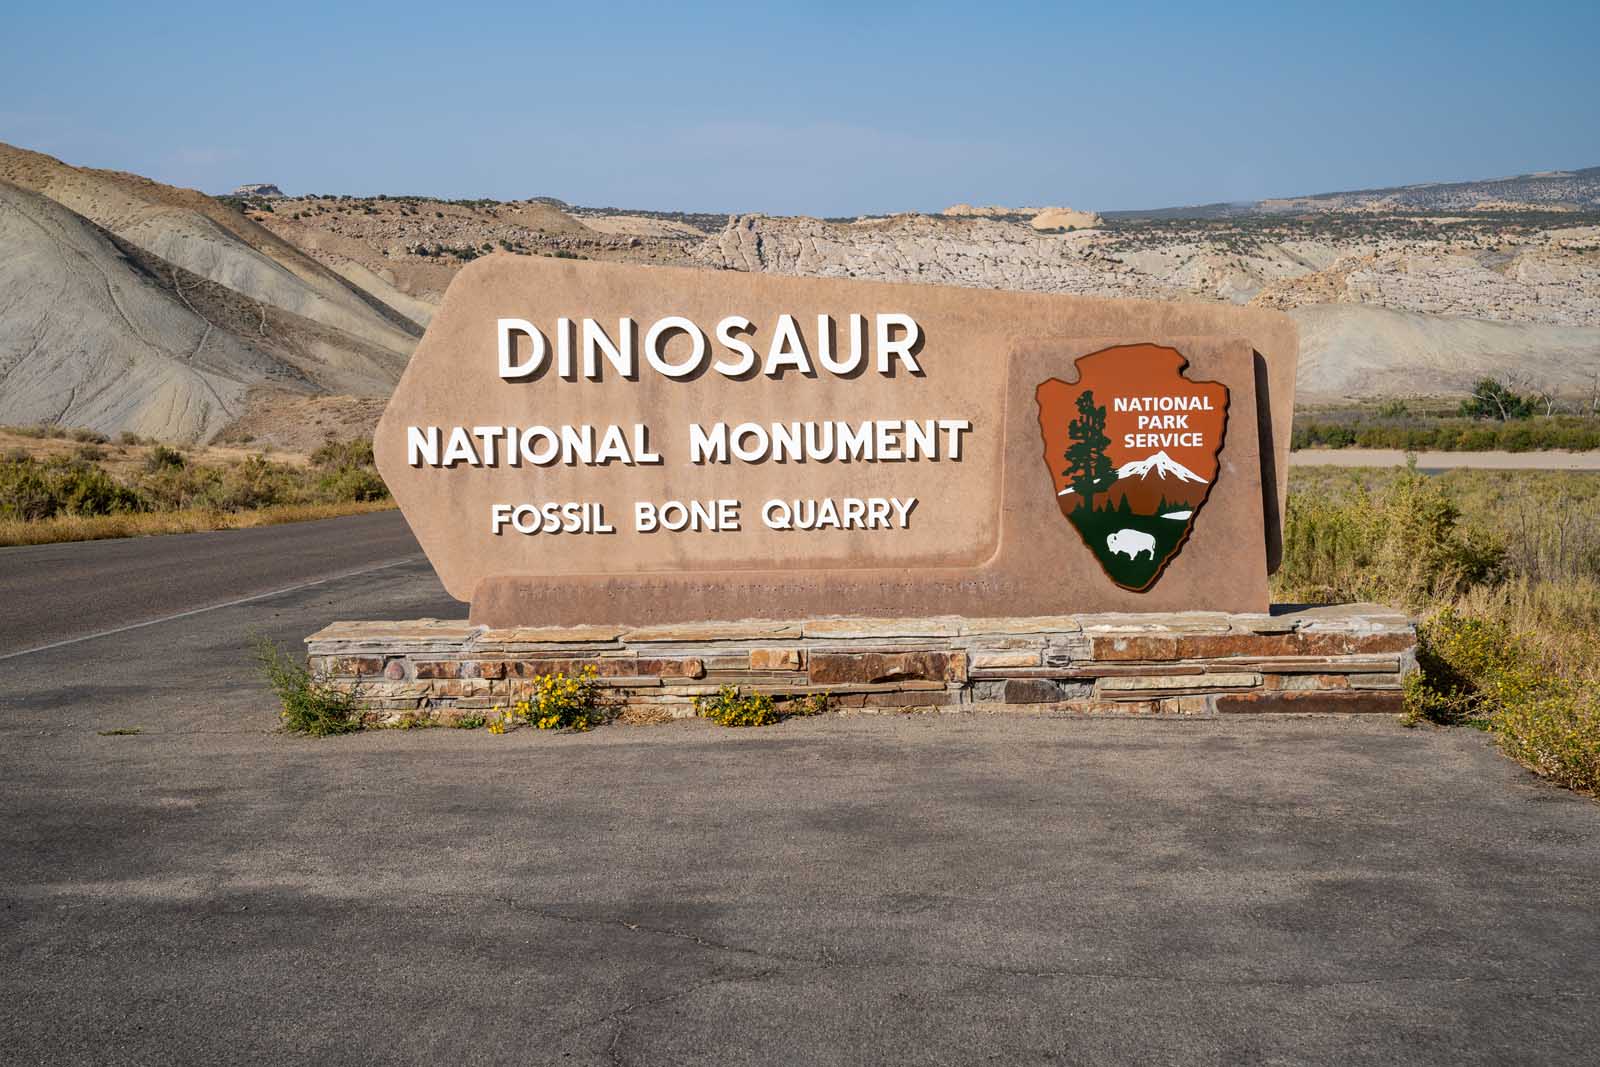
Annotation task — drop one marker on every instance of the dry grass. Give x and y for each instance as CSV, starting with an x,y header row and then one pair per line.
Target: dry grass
x,y
123,461
145,524
1504,570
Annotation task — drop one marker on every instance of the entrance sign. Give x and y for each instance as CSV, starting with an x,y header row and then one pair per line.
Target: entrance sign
x,y
1133,448
589,443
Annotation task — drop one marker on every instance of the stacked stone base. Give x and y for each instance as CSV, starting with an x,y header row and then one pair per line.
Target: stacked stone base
x,y
1345,659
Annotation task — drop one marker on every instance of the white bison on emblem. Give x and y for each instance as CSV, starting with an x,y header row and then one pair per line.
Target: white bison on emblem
x,y
1131,543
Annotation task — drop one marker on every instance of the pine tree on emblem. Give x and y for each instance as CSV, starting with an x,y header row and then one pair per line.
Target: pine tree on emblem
x,y
1088,466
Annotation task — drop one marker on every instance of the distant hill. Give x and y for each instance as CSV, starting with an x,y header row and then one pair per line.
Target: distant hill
x,y
1577,190
197,233
132,305
91,338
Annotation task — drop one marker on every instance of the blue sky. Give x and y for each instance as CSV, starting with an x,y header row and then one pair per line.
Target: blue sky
x,y
824,109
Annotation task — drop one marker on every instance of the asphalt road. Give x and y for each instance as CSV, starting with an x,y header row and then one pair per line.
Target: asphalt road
x,y
58,592
936,890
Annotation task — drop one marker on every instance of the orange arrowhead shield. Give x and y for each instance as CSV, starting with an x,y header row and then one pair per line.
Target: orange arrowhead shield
x,y
1132,449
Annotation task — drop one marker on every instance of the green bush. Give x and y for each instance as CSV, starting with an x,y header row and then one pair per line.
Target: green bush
x,y
353,484
167,481
310,704
25,492
348,472
162,458
178,487
83,490
31,491
254,483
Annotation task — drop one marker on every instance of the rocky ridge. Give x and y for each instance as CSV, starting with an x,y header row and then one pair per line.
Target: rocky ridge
x,y
1469,277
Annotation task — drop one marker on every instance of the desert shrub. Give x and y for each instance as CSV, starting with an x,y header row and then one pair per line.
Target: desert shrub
x,y
161,458
1455,653
25,491
1510,641
175,487
254,483
46,431
353,484
310,703
87,490
31,491
1421,434
1477,670
1403,544
337,455
348,473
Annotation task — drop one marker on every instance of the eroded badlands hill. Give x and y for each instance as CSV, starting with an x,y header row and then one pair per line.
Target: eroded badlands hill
x,y
132,305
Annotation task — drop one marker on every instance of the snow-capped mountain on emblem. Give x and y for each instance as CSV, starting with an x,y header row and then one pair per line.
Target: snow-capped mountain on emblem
x,y
1162,465
1132,448
1159,483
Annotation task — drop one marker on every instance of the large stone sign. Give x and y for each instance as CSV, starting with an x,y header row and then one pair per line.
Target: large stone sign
x,y
597,443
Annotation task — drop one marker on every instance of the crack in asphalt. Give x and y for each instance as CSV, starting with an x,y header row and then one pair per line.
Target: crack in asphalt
x,y
618,1016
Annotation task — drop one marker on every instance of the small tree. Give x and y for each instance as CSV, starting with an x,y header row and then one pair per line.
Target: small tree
x,y
1494,399
1088,465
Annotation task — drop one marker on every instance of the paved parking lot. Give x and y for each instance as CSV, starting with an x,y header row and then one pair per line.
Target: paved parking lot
x,y
945,889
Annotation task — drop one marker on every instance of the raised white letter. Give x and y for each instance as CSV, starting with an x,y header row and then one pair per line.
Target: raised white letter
x,y
652,346
504,328
619,355
888,348
422,446
747,355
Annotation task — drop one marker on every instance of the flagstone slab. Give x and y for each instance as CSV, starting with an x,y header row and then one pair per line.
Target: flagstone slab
x,y
1189,665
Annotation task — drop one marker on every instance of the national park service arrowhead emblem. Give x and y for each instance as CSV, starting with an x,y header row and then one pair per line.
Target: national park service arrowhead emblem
x,y
1132,450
